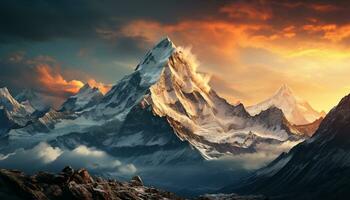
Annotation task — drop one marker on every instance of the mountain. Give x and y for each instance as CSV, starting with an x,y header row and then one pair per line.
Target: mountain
x,y
12,113
296,110
86,97
317,168
164,101
164,117
32,99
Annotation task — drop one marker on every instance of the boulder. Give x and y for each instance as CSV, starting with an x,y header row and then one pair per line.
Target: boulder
x,y
136,181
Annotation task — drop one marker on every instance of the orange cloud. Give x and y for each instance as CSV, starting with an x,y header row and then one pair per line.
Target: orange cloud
x,y
53,82
241,10
319,7
104,88
254,57
317,28
323,7
223,37
338,34
332,32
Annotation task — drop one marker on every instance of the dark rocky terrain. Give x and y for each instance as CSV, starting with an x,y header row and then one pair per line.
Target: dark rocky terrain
x,y
80,185
73,184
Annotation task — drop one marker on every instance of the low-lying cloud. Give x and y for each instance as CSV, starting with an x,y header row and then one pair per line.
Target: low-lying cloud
x,y
265,154
45,157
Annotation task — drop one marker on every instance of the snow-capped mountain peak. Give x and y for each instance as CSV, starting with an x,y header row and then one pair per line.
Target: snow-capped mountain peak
x,y
284,91
165,107
86,87
86,97
33,99
154,61
296,110
12,113
7,101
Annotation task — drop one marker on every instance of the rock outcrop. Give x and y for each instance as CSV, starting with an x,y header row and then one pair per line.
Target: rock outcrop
x,y
73,184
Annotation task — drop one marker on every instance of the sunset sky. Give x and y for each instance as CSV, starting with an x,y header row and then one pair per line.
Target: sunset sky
x,y
250,48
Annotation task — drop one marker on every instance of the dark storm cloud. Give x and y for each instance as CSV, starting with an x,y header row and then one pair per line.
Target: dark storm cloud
x,y
128,47
14,73
41,20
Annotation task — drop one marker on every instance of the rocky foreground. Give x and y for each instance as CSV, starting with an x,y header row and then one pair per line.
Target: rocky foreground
x,y
80,185
73,184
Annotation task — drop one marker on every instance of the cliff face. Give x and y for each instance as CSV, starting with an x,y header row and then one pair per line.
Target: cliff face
x,y
73,184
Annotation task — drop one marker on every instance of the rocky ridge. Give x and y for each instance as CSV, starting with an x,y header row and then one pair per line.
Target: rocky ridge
x,y
80,185
74,184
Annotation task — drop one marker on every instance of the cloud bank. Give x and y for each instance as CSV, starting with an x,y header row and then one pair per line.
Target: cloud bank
x,y
45,157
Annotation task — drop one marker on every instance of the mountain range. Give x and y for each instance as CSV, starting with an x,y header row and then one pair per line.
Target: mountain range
x,y
166,90
162,115
296,110
317,168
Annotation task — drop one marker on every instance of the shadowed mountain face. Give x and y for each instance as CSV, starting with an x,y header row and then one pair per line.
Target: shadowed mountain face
x,y
318,168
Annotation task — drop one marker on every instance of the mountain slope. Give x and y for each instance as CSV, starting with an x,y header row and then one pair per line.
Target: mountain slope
x,y
32,99
86,97
315,169
296,110
12,113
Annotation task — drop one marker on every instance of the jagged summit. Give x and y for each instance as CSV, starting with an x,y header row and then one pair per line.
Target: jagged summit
x,y
284,90
87,96
33,99
158,54
85,87
296,110
4,90
7,101
12,113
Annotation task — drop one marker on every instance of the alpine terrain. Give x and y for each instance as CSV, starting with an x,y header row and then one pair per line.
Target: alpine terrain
x,y
296,110
12,113
162,114
317,168
162,106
